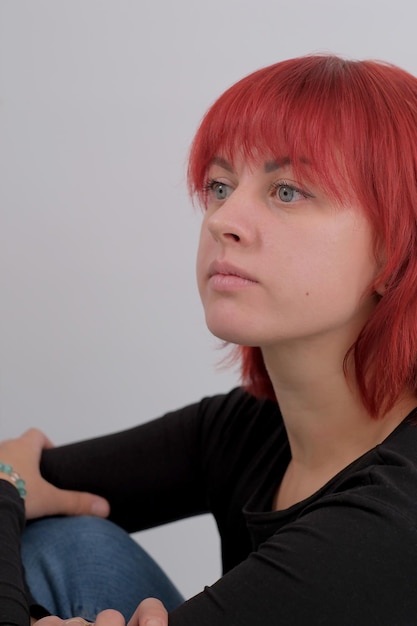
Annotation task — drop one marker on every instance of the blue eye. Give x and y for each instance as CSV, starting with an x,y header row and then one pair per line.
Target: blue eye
x,y
286,193
220,190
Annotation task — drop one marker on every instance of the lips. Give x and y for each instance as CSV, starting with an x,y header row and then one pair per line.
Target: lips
x,y
222,268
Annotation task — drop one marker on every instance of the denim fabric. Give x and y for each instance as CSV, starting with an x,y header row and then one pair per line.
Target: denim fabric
x,y
78,566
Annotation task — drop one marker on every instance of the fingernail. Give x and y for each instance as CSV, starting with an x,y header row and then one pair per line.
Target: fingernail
x,y
100,508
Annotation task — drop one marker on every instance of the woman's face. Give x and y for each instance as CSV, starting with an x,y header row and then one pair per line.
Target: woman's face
x,y
279,261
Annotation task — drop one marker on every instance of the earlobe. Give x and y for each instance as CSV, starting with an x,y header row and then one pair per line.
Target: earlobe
x,y
381,282
380,289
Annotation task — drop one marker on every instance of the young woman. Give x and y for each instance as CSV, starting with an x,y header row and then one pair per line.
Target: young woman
x,y
307,264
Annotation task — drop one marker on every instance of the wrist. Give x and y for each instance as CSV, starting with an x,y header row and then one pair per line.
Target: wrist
x,y
8,473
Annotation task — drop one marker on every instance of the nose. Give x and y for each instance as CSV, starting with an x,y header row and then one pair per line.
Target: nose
x,y
234,222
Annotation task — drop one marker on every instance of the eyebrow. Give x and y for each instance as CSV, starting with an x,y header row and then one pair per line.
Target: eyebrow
x,y
222,163
269,166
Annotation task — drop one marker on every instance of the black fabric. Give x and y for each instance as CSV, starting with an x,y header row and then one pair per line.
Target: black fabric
x,y
14,596
346,556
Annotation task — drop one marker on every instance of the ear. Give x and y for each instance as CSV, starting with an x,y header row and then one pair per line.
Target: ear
x,y
380,289
380,284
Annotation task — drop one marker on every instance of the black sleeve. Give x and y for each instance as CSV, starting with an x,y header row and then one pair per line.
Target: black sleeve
x,y
343,563
150,474
14,595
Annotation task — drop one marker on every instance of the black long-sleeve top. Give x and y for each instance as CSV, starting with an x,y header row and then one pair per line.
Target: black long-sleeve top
x,y
347,555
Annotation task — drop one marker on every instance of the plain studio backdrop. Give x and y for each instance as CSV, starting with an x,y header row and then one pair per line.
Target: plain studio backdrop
x,y
101,325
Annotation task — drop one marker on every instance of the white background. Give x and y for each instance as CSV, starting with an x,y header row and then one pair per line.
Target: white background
x,y
100,322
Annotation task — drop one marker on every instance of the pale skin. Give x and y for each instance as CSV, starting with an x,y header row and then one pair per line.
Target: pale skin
x,y
150,612
280,266
310,265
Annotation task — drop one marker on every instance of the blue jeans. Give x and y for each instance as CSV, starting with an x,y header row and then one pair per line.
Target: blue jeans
x,y
82,565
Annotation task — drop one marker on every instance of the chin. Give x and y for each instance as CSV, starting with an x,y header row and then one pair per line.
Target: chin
x,y
229,333
234,323
223,332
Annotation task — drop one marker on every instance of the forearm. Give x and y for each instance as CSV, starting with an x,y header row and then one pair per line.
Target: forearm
x,y
149,474
14,597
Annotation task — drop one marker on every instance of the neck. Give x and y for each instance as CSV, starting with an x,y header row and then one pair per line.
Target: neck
x,y
327,425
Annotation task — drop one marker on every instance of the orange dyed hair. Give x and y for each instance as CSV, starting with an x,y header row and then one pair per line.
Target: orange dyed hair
x,y
355,124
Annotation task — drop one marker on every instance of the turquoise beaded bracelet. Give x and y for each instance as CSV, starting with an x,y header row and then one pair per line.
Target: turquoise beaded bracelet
x,y
18,482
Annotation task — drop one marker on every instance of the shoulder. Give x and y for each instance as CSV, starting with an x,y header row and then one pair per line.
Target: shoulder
x,y
371,502
239,408
381,485
237,420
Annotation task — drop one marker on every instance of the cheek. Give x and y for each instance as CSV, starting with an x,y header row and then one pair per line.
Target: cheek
x,y
351,269
334,264
357,259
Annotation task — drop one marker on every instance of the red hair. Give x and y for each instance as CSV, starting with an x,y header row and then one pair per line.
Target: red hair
x,y
355,123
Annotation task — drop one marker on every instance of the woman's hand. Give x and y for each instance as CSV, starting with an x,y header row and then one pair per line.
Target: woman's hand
x,y
109,617
150,612
42,498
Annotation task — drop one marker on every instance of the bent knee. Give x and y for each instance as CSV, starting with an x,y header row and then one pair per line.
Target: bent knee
x,y
70,537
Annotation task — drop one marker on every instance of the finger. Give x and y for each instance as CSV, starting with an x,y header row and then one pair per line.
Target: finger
x,y
53,501
150,612
31,442
52,620
109,617
79,503
35,437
